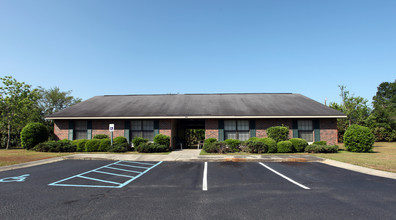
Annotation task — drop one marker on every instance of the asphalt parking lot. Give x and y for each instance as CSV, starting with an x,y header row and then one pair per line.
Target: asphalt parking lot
x,y
90,189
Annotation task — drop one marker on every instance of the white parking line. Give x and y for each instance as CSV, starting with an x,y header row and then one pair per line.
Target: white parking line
x,y
205,178
298,184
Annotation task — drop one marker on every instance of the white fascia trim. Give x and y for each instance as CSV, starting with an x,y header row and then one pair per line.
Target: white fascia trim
x,y
196,117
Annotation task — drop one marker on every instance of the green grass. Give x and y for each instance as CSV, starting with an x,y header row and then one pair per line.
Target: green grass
x,y
383,158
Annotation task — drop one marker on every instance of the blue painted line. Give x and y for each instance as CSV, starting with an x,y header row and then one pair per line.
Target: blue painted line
x,y
127,182
100,180
51,184
97,170
115,174
93,186
132,166
133,162
114,168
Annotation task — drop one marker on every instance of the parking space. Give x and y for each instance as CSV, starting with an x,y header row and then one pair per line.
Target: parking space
x,y
147,190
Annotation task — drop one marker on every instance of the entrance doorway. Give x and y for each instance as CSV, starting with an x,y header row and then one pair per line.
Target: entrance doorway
x,y
189,132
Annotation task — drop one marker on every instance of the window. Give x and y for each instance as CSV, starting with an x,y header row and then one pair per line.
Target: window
x,y
236,129
80,130
142,128
305,130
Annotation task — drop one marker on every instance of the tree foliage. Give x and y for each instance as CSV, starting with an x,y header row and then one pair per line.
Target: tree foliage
x,y
17,102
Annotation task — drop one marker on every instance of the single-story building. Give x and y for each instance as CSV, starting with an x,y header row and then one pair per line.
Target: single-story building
x,y
223,116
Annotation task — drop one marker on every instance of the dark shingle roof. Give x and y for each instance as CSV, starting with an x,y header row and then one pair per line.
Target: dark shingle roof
x,y
198,105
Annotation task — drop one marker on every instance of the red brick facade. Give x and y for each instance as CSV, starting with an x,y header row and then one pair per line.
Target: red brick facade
x,y
328,128
328,131
263,124
61,129
211,128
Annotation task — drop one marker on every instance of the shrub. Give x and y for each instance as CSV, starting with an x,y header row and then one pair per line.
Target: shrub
x,y
121,141
116,148
233,144
358,139
81,145
32,134
285,147
278,133
92,145
138,140
215,147
151,148
67,146
210,140
101,136
55,146
314,148
253,139
270,143
257,147
299,144
162,139
105,145
320,143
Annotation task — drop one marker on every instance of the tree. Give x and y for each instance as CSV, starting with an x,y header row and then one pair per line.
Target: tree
x,y
355,107
383,118
53,100
17,100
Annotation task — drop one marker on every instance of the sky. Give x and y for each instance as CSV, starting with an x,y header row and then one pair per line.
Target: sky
x,y
115,47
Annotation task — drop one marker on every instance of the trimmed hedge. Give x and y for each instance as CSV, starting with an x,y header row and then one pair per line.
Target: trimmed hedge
x,y
257,147
101,136
117,148
320,143
358,139
162,139
210,140
121,142
314,148
278,133
81,144
151,148
92,145
138,140
285,147
55,146
104,145
33,134
233,144
299,144
270,143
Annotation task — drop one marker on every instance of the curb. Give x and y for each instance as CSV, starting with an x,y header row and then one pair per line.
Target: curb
x,y
360,169
31,163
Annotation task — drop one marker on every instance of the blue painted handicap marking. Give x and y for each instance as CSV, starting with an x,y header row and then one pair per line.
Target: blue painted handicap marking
x,y
114,175
14,179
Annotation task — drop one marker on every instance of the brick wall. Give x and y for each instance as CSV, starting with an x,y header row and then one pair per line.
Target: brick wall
x,y
61,129
328,131
102,127
211,128
165,127
263,124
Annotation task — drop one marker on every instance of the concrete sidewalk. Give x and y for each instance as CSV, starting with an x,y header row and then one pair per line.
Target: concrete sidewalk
x,y
191,155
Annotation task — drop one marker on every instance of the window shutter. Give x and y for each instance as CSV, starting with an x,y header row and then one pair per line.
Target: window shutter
x,y
221,130
127,128
316,126
71,128
295,128
89,130
252,126
156,127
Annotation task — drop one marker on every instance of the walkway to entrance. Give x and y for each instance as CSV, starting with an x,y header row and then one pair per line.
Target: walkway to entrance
x,y
184,154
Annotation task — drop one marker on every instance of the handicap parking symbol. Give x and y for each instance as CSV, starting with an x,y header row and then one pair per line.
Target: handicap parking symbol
x,y
14,179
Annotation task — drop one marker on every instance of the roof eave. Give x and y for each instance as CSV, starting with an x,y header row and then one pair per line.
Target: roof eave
x,y
192,117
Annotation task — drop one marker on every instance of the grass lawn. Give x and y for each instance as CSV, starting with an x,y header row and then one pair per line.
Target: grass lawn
x,y
15,156
383,158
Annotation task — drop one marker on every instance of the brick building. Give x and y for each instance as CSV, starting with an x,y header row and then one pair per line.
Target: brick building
x,y
223,116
